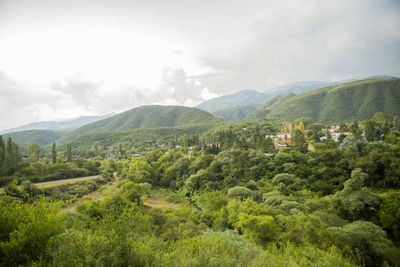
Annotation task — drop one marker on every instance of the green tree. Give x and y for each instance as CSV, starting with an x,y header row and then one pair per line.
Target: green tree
x,y
370,131
34,152
54,153
299,141
69,152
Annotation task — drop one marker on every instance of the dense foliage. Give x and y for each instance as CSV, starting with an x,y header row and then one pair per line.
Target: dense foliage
x,y
357,100
241,203
39,166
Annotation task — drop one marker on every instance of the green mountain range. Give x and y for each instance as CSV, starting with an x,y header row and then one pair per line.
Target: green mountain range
x,y
146,117
358,100
236,113
141,117
41,137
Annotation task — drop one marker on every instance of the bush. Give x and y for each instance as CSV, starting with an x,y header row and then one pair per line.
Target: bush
x,y
240,192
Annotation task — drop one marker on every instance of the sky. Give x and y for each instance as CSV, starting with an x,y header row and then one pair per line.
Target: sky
x,y
61,59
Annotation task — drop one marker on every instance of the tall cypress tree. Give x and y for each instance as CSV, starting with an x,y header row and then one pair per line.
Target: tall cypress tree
x,y
54,153
370,130
69,151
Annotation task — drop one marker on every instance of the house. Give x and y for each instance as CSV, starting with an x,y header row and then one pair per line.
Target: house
x,y
134,155
285,137
335,136
334,129
270,136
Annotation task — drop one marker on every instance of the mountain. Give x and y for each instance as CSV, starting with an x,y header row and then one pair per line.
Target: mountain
x,y
54,125
357,100
41,137
236,113
254,97
236,99
147,117
263,110
298,87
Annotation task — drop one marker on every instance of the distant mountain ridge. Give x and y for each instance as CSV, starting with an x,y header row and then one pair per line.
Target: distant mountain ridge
x,y
57,125
300,87
357,100
236,113
245,97
231,100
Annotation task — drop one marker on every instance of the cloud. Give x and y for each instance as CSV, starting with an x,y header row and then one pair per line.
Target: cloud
x,y
23,102
77,95
132,53
322,41
178,85
81,92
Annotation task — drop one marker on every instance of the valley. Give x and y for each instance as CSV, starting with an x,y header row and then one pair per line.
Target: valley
x,y
310,179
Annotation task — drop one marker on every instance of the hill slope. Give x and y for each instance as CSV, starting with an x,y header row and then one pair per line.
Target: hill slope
x,y
236,113
299,87
136,138
146,117
41,137
57,125
236,99
351,101
264,109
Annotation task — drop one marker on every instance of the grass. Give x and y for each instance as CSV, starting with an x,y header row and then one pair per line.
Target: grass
x,y
156,200
99,194
51,184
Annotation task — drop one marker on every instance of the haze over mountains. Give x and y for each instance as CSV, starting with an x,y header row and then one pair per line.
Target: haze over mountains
x,y
57,125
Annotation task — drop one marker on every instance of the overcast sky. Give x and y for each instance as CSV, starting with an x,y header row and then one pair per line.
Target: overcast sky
x,y
61,59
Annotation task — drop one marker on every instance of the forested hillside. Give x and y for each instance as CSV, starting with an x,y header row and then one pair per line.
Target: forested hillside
x,y
262,111
351,101
223,198
236,113
146,117
41,137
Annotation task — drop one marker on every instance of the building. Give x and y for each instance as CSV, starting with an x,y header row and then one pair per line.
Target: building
x,y
284,137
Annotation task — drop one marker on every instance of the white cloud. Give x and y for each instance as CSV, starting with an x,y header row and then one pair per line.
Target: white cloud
x,y
65,58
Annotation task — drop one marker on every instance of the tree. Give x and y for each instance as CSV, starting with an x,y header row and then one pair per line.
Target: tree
x,y
299,141
383,117
34,152
396,123
240,192
369,131
301,126
69,152
54,153
355,130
